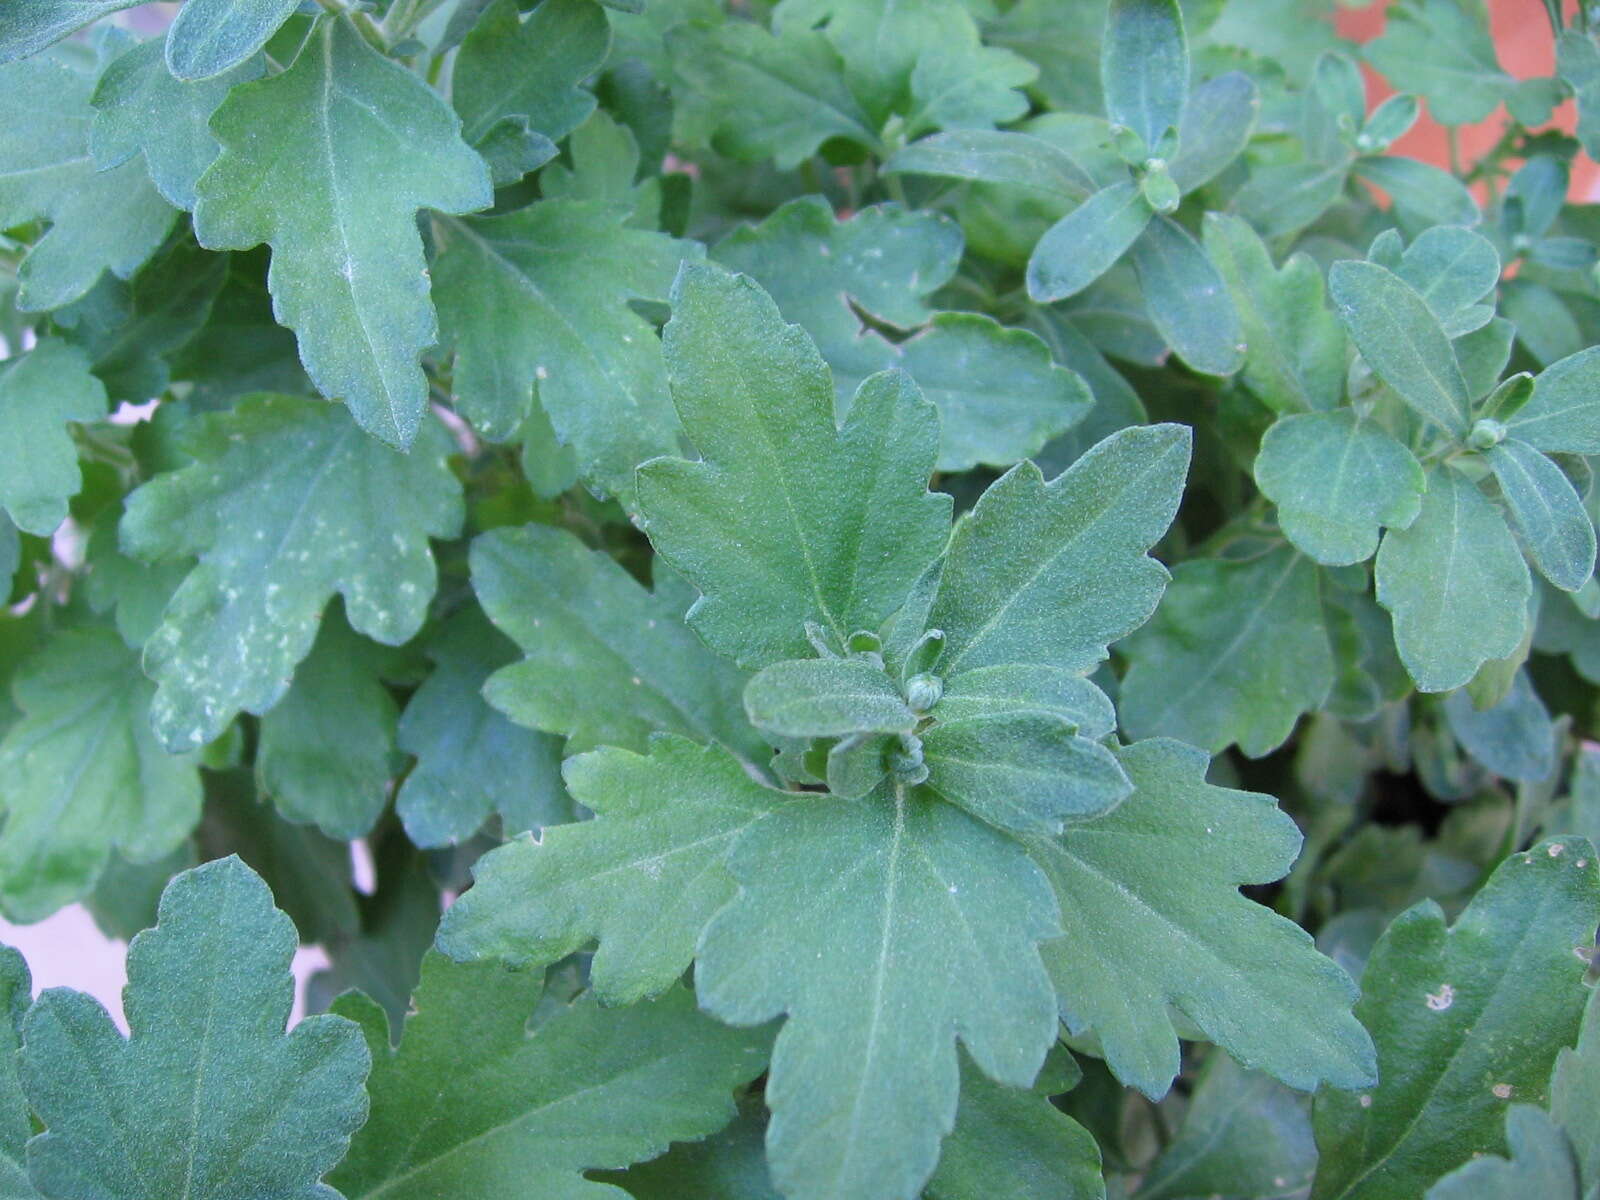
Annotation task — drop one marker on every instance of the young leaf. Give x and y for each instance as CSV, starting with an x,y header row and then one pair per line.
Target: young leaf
x,y
1186,298
29,26
789,517
536,304
211,37
1337,479
1401,341
99,220
81,774
884,929
334,774
40,392
1087,242
1465,1020
1217,122
525,1112
1234,655
1027,771
287,503
1152,917
1455,584
1029,687
1049,574
328,163
1144,67
1295,350
1563,414
828,697
643,878
515,77
141,109
208,1098
1555,529
606,661
471,760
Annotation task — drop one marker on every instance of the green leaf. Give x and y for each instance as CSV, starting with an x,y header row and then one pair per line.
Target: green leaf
x,y
332,774
828,697
1401,341
1336,479
29,26
525,1111
790,91
1514,738
209,38
1575,1096
1152,917
642,878
1563,414
964,85
1545,507
99,220
606,661
1455,584
1285,198
1050,574
1295,350
1243,1133
1422,189
1013,1144
1085,243
881,928
287,503
471,760
328,163
1465,1019
1027,771
1030,687
536,304
993,156
1578,64
81,774
1217,122
16,989
1234,655
141,109
730,1165
40,392
1451,269
789,517
1144,67
1186,298
1442,49
208,1098
1000,398
1540,1164
514,76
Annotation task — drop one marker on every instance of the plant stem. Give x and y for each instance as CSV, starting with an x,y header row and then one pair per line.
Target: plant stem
x,y
363,23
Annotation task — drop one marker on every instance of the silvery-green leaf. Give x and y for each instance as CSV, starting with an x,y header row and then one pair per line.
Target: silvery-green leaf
x,y
1547,511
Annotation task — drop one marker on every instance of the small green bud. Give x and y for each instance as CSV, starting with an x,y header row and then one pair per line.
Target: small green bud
x,y
1487,432
923,692
1159,189
905,760
1127,145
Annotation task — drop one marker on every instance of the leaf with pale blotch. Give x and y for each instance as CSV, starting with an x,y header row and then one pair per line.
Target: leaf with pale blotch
x,y
1547,511
328,162
474,1102
1051,573
81,774
99,220
1153,917
40,392
1467,1020
1236,653
287,503
140,108
333,774
1294,347
518,77
642,878
606,662
208,1098
884,928
471,759
789,517
1338,479
1455,584
536,304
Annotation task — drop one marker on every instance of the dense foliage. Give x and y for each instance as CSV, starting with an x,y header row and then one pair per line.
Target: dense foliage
x,y
977,598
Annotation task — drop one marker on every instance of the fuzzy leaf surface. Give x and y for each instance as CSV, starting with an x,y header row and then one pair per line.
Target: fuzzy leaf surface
x,y
40,392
